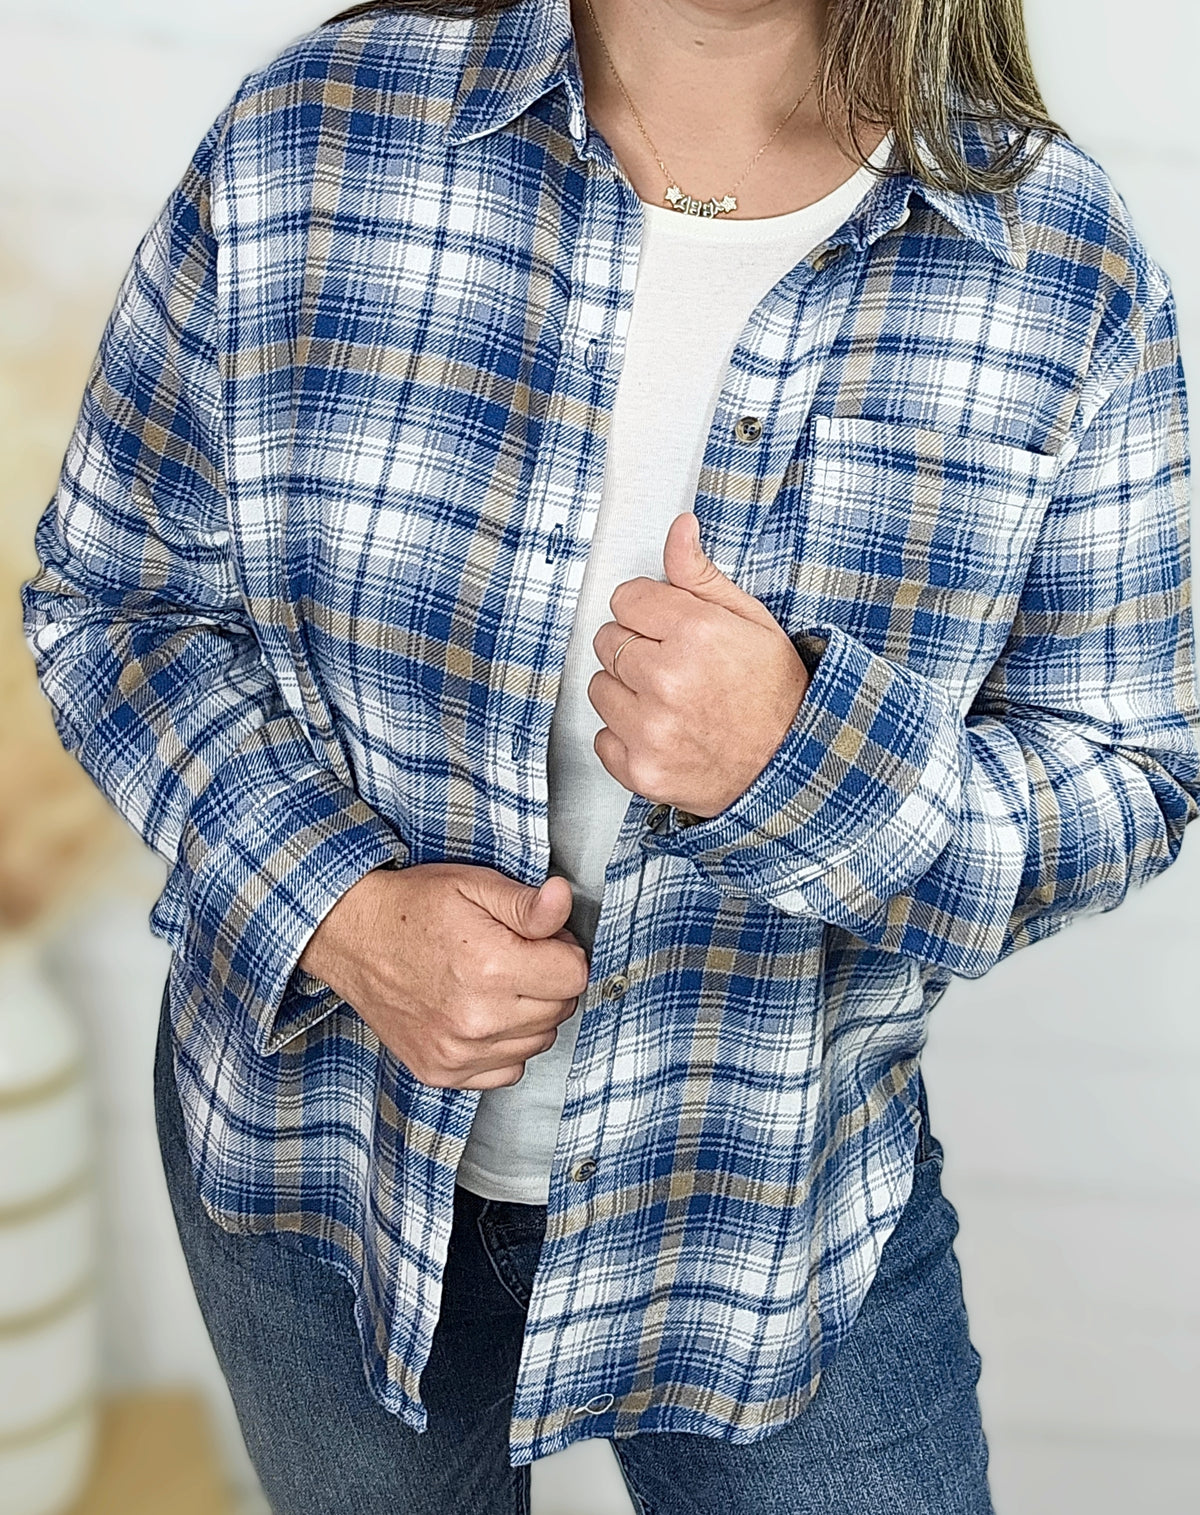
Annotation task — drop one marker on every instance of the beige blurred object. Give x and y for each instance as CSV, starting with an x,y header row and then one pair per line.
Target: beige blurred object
x,y
63,849
156,1457
55,827
48,1323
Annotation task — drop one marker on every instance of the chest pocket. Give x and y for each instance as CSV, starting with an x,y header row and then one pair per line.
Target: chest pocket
x,y
915,541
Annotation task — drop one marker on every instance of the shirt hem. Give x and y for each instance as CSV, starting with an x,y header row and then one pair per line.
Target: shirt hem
x,y
491,1186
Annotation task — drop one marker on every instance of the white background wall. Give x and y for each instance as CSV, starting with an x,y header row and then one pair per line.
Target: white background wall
x,y
1065,1085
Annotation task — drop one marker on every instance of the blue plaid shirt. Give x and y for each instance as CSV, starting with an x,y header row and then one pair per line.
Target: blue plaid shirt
x,y
305,595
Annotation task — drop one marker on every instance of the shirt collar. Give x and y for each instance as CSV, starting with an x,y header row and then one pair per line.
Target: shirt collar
x,y
517,55
992,217
514,57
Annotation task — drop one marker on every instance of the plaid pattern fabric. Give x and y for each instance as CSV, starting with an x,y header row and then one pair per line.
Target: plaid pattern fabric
x,y
305,594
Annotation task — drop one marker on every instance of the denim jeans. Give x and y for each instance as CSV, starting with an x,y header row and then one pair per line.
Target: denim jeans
x,y
894,1428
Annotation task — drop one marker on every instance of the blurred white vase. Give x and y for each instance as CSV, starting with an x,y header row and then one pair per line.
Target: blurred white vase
x,y
48,1327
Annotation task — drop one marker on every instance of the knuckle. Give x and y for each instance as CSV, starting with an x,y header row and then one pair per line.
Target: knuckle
x,y
432,1073
701,630
475,1023
443,1055
670,683
494,1078
660,731
490,971
461,971
645,776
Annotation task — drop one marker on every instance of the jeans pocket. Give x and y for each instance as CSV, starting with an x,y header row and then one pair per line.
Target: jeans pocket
x,y
512,1240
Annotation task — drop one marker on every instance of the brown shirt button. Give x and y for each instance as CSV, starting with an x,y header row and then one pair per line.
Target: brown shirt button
x,y
748,429
826,257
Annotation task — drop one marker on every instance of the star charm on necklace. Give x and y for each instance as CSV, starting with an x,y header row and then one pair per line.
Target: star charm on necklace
x,y
688,205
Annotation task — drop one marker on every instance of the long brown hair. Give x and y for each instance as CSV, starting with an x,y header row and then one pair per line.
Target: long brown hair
x,y
920,67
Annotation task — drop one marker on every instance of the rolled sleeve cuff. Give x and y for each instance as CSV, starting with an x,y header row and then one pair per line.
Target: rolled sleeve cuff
x,y
868,736
265,889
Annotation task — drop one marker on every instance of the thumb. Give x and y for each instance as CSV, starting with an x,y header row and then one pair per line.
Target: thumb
x,y
689,567
531,913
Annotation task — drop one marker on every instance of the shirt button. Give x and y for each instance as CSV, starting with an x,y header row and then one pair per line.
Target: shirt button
x,y
585,1169
520,746
615,986
748,429
826,257
657,816
592,360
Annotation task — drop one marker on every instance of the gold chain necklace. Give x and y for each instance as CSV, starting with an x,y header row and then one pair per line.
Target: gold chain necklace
x,y
673,195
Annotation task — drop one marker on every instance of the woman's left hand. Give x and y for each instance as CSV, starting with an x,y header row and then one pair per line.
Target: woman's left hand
x,y
707,691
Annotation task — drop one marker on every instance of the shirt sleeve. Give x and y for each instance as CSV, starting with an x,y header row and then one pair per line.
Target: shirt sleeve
x,y
956,839
152,668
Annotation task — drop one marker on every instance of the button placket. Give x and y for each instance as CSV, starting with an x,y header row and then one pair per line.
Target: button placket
x,y
563,496
607,228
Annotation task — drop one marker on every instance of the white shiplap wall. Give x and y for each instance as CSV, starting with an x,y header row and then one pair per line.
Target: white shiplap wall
x,y
1065,1085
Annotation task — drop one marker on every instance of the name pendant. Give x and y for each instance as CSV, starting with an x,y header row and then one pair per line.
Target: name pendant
x,y
688,205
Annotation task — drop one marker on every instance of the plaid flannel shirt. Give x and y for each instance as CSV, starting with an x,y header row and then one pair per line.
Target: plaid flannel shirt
x,y
305,595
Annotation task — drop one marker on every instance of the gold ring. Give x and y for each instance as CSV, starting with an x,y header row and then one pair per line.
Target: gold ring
x,y
632,637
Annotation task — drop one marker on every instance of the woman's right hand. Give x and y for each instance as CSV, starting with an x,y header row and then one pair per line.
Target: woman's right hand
x,y
459,970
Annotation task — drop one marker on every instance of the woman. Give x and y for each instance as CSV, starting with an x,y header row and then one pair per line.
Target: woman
x,y
615,553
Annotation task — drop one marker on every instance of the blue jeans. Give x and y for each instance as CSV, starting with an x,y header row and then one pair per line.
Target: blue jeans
x,y
894,1428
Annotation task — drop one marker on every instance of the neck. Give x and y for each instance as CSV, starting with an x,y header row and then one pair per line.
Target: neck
x,y
727,29
712,80
759,53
